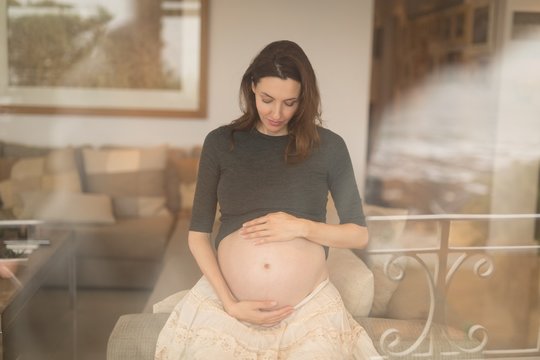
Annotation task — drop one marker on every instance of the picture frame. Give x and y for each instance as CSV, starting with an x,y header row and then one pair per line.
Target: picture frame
x,y
481,20
525,25
480,28
458,29
139,58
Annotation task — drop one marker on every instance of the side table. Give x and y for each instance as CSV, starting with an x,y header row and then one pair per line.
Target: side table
x,y
37,315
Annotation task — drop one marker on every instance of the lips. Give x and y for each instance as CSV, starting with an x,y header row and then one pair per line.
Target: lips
x,y
275,123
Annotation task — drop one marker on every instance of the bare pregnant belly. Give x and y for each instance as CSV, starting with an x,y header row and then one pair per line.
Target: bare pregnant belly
x,y
285,272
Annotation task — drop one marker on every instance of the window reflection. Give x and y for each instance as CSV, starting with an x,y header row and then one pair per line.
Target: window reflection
x,y
454,108
454,129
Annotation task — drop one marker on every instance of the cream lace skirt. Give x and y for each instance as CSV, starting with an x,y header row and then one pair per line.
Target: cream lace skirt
x,y
319,328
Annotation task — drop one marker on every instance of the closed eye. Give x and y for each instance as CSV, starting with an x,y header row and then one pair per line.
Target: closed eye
x,y
290,103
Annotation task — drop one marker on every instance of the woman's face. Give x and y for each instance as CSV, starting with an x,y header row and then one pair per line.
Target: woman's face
x,y
277,101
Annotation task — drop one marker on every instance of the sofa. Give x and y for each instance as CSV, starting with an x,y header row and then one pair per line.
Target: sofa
x,y
122,203
491,296
367,291
135,335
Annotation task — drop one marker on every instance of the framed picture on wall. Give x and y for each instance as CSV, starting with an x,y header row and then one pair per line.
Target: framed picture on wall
x,y
480,29
458,30
102,57
481,18
526,25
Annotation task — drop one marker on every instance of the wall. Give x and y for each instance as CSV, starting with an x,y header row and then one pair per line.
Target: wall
x,y
335,35
517,165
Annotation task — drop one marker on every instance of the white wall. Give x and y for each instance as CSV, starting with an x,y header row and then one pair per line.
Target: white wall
x,y
335,35
516,167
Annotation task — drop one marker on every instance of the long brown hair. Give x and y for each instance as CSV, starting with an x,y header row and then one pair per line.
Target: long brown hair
x,y
286,60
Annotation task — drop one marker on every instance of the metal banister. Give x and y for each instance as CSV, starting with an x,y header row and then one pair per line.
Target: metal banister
x,y
439,282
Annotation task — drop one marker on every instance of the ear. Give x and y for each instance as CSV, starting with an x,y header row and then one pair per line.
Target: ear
x,y
253,87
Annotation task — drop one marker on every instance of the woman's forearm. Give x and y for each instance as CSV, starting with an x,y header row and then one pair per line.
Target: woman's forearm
x,y
201,248
281,226
350,236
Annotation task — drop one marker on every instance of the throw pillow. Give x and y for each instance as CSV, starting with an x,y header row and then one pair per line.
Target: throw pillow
x,y
57,171
126,173
384,235
6,194
186,168
187,194
28,168
67,207
5,167
182,167
353,280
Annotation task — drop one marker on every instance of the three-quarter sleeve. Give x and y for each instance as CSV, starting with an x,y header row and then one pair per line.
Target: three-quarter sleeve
x,y
205,200
343,186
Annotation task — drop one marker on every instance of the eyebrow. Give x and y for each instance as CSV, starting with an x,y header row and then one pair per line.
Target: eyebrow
x,y
265,94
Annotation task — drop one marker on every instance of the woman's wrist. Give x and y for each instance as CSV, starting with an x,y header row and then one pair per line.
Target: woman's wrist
x,y
228,307
304,228
228,302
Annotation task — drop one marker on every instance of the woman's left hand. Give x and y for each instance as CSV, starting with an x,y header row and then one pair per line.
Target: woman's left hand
x,y
278,226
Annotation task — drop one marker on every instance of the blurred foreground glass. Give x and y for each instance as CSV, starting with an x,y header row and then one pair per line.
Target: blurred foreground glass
x,y
455,124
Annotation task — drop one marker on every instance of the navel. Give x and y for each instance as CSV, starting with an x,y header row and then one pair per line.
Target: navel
x,y
267,266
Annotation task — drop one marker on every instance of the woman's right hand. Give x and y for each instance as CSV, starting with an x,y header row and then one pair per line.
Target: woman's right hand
x,y
261,313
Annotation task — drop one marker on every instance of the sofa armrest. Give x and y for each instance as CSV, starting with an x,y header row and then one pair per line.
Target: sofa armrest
x,y
134,336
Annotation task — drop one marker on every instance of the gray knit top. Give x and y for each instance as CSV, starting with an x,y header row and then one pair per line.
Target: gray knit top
x,y
252,179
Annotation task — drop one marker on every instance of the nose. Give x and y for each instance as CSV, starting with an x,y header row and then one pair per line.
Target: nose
x,y
276,111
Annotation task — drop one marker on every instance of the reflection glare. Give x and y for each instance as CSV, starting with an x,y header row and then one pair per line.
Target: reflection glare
x,y
447,142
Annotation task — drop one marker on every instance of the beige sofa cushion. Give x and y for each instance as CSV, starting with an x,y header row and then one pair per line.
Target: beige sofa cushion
x,y
186,167
5,167
6,194
181,176
382,235
187,195
67,207
129,176
129,238
353,280
55,172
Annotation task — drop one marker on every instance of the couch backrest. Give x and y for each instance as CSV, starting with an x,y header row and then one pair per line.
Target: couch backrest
x,y
178,171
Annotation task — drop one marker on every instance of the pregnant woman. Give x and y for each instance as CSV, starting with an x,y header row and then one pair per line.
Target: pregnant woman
x,y
265,292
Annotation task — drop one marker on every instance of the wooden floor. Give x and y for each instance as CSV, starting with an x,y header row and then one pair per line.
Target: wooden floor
x,y
97,312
